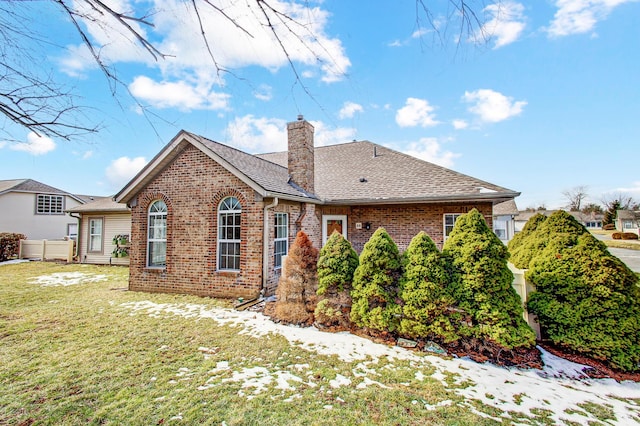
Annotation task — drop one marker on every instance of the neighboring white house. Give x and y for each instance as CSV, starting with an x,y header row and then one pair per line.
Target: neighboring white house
x,y
37,210
627,221
504,220
101,223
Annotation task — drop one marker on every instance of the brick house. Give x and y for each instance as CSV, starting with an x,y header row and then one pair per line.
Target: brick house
x,y
211,220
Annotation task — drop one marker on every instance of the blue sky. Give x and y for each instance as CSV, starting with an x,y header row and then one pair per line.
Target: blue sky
x,y
549,102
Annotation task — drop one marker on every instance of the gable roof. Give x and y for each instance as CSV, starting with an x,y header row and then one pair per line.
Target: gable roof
x,y
367,173
33,186
100,204
266,178
505,208
627,214
351,173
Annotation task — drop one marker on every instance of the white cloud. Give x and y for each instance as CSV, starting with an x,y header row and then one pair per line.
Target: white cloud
x,y
179,95
430,149
459,124
260,135
349,109
492,106
633,189
35,145
580,16
247,41
416,112
123,169
87,154
264,93
506,22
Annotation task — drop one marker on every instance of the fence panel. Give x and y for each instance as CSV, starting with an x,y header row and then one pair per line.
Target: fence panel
x,y
47,250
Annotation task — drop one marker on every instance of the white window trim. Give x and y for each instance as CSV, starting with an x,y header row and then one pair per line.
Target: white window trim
x,y
91,236
156,240
328,217
224,240
444,223
285,239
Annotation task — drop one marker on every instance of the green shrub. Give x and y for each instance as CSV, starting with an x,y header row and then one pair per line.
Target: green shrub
x,y
482,284
296,292
336,266
375,284
586,299
521,247
10,245
423,290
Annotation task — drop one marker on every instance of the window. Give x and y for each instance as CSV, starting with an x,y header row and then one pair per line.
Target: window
x,y
229,234
95,235
49,204
627,224
157,235
281,240
501,233
72,231
449,221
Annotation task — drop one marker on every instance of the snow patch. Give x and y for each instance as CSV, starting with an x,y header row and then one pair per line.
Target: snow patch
x,y
66,279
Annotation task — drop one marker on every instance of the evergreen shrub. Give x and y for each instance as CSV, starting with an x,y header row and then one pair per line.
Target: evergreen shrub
x,y
427,306
482,284
375,284
336,266
586,299
295,295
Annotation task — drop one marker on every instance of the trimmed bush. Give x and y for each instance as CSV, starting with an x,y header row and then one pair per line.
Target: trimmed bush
x,y
586,299
482,284
375,284
423,290
336,266
629,236
521,247
295,295
609,227
616,235
10,245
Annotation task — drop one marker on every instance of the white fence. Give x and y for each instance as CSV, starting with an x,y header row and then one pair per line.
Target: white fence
x,y
524,288
47,250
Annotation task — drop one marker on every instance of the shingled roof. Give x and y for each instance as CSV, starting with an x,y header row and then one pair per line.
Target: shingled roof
x,y
364,172
100,204
351,173
32,186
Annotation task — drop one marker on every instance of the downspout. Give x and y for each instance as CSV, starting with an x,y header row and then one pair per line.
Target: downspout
x,y
78,236
265,245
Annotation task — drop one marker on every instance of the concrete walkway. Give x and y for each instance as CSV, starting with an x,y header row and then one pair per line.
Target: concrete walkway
x,y
630,257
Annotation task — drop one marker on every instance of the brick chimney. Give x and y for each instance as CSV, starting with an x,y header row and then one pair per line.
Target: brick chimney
x,y
301,154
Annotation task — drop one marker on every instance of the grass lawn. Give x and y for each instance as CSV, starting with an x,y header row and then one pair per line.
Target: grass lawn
x,y
626,244
78,348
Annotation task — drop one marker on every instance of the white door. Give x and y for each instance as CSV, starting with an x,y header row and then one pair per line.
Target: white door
x,y
331,223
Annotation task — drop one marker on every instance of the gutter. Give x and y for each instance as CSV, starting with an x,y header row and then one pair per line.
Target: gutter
x,y
265,245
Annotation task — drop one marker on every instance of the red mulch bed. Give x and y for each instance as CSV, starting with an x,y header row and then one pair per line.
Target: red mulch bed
x,y
481,351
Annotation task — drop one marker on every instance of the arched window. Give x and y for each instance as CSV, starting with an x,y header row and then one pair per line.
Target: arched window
x,y
157,235
229,234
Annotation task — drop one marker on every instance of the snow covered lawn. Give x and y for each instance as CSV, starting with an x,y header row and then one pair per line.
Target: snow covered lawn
x,y
560,388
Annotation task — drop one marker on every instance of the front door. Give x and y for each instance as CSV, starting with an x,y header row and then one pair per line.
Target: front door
x,y
331,223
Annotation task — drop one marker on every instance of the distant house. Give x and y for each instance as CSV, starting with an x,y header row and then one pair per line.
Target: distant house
x,y
589,220
105,227
627,221
212,220
504,220
37,210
